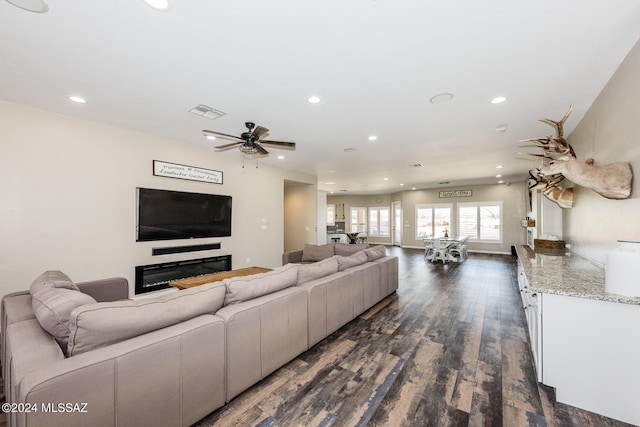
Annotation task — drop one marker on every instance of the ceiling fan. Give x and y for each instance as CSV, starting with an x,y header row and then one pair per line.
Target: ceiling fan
x,y
250,142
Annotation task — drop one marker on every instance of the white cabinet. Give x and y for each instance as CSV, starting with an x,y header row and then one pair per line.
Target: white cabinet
x,y
532,306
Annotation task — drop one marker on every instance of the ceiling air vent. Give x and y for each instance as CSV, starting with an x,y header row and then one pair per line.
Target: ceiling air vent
x,y
416,165
207,112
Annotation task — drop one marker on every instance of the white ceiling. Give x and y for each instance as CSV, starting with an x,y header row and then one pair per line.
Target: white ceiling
x,y
374,63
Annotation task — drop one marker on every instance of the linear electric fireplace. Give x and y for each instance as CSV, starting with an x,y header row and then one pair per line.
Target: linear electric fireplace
x,y
153,277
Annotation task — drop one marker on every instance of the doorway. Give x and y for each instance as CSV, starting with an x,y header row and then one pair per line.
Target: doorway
x,y
396,208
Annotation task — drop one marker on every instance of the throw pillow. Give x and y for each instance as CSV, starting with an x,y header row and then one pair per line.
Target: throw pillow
x,y
52,278
376,252
256,285
104,323
315,253
346,249
357,258
53,297
309,272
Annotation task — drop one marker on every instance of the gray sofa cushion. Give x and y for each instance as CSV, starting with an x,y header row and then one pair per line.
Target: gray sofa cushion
x,y
53,297
53,306
357,258
249,287
308,272
52,278
346,249
315,253
376,252
104,323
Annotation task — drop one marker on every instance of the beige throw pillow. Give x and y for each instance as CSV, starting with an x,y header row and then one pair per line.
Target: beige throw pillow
x,y
313,253
376,252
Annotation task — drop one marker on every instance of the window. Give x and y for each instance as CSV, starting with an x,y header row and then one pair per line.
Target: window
x,y
331,214
358,220
433,220
378,222
480,221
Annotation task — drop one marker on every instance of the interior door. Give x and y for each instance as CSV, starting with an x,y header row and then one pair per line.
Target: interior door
x,y
397,223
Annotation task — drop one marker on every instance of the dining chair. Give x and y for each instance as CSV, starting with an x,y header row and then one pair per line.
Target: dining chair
x,y
428,248
459,249
440,251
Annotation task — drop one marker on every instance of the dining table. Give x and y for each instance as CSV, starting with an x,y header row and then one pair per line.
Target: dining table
x,y
437,248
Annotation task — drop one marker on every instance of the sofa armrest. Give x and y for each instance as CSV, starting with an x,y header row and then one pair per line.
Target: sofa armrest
x,y
106,290
292,257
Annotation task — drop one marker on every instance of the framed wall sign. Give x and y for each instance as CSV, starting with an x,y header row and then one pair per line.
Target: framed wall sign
x,y
456,193
192,173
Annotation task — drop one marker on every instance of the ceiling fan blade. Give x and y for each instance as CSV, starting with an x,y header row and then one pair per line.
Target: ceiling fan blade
x,y
260,132
221,135
228,146
261,150
280,144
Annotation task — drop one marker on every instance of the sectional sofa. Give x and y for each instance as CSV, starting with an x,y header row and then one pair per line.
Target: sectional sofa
x,y
78,354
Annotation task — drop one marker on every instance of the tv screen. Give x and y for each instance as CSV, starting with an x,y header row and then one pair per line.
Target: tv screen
x,y
166,215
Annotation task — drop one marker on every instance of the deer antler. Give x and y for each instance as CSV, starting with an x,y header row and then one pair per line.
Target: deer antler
x,y
554,146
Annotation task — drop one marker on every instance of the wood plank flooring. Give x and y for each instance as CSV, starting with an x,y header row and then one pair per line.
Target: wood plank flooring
x,y
450,348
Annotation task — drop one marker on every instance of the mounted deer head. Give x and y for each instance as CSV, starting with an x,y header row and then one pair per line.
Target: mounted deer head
x,y
612,181
548,185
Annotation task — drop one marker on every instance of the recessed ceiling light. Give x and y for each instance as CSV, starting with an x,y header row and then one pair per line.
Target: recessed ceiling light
x,y
330,183
441,98
350,150
211,137
313,100
373,138
498,99
500,182
413,188
159,4
499,176
501,128
386,179
281,157
401,185
37,6
499,167
77,99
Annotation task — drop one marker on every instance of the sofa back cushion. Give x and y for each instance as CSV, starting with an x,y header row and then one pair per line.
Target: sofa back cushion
x,y
104,323
376,252
53,297
313,253
345,262
249,287
309,272
346,249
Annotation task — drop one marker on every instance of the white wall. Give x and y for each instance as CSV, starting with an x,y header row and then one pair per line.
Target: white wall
x,y
69,202
299,215
609,132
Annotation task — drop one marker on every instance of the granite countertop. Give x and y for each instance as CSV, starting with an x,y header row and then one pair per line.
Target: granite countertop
x,y
564,273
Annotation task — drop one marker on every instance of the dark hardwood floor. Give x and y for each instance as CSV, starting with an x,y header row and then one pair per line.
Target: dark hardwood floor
x,y
450,348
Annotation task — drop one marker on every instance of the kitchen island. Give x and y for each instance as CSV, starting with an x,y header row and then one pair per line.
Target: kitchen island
x,y
585,341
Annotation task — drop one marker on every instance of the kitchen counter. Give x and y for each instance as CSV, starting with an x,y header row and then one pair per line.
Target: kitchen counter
x,y
562,272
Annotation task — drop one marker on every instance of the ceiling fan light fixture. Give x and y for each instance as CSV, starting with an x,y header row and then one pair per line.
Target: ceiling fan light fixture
x,y
313,99
498,99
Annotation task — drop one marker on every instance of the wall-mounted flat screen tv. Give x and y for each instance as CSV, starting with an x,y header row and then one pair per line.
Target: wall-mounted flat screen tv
x,y
166,215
